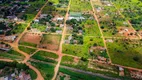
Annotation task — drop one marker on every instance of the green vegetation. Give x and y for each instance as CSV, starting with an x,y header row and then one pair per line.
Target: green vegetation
x,y
45,56
17,29
126,52
40,27
32,74
77,75
9,68
27,50
30,13
77,50
131,10
91,28
50,41
80,5
27,44
11,55
46,70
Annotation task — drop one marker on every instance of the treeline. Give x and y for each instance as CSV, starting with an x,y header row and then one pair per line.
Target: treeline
x,y
14,64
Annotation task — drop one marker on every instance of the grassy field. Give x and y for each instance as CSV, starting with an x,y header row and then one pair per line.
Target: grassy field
x,y
27,50
45,56
91,28
80,6
46,70
51,42
77,50
27,44
127,53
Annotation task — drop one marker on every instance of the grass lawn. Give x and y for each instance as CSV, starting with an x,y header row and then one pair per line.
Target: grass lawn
x,y
27,50
45,56
46,70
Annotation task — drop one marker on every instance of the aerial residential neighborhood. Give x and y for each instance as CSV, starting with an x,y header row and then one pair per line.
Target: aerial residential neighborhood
x,y
70,40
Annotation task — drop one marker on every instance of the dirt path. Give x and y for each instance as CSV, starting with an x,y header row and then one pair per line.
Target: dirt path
x,y
62,41
39,76
95,16
6,60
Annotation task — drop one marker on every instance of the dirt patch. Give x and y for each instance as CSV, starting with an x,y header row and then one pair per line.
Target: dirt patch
x,y
32,38
127,32
76,59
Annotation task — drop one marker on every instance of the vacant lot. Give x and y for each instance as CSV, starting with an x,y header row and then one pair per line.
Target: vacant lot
x,y
126,52
50,42
31,38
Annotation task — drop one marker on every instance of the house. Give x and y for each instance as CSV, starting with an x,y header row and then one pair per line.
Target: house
x,y
70,37
102,58
121,71
77,18
61,25
12,18
4,47
43,16
76,15
36,21
10,38
109,40
59,31
60,19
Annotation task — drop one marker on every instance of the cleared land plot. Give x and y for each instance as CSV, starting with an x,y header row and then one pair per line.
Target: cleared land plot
x,y
126,52
50,42
30,39
45,56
